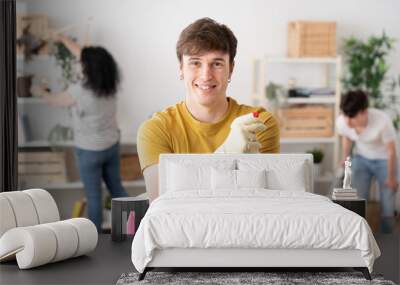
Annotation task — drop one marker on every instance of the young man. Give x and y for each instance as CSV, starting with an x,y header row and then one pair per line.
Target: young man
x,y
202,122
374,136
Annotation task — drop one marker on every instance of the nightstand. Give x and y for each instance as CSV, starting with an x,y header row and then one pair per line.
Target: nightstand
x,y
358,206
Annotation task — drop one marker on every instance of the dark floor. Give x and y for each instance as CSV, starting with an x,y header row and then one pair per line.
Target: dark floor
x,y
389,262
110,260
103,266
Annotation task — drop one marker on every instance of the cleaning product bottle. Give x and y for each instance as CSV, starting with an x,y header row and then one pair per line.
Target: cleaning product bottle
x,y
130,225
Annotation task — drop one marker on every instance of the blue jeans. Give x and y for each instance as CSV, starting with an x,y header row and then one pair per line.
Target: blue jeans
x,y
363,169
93,166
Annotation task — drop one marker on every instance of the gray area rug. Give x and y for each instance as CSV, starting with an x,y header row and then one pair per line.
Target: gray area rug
x,y
229,278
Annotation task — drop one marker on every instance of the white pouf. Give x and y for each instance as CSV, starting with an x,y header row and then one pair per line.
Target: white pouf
x,y
46,207
31,232
7,218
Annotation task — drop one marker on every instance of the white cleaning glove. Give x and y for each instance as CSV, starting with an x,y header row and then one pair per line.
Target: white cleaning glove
x,y
242,137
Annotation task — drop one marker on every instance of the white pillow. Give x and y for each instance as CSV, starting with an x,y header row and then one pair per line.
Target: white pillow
x,y
186,174
223,179
293,180
191,172
237,179
251,178
183,177
281,174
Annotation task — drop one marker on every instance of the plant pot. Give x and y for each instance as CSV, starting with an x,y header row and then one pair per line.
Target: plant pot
x,y
317,170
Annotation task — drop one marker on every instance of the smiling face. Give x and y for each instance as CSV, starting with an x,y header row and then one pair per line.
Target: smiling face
x,y
206,77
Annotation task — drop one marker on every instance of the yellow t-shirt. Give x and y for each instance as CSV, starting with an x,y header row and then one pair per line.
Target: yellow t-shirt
x,y
175,130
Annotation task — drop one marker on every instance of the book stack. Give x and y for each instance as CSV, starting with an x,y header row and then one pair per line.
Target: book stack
x,y
344,194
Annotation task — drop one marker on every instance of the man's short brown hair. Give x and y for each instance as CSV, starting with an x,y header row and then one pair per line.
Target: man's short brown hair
x,y
206,35
354,102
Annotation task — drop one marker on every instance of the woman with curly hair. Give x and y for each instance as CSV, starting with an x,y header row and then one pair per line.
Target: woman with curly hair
x,y
96,133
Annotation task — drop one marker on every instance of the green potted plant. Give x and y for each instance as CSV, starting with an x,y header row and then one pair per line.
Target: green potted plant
x,y
367,66
318,156
66,60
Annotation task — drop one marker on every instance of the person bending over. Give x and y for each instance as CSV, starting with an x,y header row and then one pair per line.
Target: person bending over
x,y
372,132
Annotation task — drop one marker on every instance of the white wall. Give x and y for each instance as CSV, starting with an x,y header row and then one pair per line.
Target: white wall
x,y
142,35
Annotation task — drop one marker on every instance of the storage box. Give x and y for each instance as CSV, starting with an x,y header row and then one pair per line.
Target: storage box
x,y
311,39
38,169
306,121
130,167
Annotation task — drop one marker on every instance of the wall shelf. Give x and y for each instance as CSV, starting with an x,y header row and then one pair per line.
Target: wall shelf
x,y
79,185
21,57
308,140
43,143
30,100
312,100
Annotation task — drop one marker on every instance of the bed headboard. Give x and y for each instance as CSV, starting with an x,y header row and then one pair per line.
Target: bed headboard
x,y
283,166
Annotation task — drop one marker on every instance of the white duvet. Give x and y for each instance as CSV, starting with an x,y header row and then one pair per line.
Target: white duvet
x,y
250,218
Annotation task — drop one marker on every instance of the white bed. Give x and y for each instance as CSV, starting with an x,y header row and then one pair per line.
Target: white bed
x,y
247,210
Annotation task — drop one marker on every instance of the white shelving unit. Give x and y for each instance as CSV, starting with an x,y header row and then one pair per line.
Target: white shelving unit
x,y
329,76
261,72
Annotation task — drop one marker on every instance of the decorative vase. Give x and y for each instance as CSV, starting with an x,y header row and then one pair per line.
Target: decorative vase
x,y
317,170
